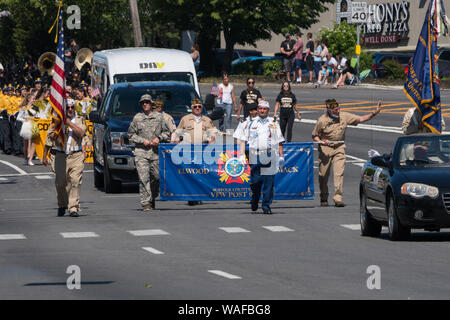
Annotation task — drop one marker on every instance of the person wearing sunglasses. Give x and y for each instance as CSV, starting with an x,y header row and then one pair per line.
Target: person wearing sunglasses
x,y
147,130
67,160
250,98
329,133
287,103
195,128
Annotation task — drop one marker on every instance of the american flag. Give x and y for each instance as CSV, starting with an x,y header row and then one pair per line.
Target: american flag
x,y
58,91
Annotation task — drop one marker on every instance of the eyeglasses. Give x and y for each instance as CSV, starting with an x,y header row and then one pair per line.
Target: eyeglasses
x,y
145,102
286,85
70,107
197,107
250,82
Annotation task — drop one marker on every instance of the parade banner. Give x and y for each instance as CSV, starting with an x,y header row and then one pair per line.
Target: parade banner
x,y
215,172
44,124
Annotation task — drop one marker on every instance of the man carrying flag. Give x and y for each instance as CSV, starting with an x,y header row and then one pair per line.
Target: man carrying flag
x,y
65,136
422,83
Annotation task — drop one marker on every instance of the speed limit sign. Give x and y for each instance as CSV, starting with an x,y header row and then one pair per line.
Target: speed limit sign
x,y
359,12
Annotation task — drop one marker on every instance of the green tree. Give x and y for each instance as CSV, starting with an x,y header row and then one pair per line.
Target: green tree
x,y
241,21
341,39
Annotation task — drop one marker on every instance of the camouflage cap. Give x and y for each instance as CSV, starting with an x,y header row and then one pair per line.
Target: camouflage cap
x,y
146,97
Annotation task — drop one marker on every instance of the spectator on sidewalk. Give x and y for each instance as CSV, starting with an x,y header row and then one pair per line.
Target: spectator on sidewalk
x,y
317,59
347,73
287,49
309,57
298,58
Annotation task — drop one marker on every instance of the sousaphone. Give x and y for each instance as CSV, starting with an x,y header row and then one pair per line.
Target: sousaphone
x,y
46,63
83,56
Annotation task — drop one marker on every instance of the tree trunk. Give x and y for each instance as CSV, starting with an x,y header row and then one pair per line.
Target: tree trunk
x,y
207,41
229,46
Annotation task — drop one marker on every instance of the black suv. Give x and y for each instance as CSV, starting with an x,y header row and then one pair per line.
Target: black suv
x,y
113,153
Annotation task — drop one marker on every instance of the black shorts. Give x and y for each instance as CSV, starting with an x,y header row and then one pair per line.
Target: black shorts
x,y
310,63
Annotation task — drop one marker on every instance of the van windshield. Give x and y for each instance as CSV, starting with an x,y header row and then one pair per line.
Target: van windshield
x,y
155,76
177,100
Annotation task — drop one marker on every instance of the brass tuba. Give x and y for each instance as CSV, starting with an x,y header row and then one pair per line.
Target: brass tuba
x,y
83,56
46,62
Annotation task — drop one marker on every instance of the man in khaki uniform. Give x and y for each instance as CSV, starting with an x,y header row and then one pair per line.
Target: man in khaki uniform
x,y
67,161
329,132
159,107
412,122
195,127
146,131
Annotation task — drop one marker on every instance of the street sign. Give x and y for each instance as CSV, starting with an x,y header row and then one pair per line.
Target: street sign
x,y
359,12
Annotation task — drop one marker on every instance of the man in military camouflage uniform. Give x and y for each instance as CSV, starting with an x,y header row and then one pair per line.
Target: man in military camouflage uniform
x,y
146,131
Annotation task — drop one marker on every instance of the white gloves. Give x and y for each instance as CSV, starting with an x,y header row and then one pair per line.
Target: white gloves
x,y
281,162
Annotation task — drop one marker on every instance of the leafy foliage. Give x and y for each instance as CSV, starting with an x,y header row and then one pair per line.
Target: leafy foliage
x,y
393,69
271,67
341,38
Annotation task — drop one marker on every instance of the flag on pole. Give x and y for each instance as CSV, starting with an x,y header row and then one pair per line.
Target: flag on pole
x,y
422,82
58,91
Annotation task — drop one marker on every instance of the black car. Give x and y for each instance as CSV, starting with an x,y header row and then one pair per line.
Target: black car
x,y
409,188
113,153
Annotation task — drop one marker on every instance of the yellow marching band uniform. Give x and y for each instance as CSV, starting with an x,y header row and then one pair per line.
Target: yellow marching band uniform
x,y
37,118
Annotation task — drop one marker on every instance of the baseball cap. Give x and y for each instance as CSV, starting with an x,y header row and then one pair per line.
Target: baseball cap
x,y
331,103
264,103
196,101
70,102
146,97
287,35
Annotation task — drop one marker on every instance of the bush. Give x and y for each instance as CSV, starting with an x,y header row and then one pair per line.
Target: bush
x,y
271,67
365,61
393,69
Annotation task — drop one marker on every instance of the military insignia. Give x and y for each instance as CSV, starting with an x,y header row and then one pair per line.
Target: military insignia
x,y
232,169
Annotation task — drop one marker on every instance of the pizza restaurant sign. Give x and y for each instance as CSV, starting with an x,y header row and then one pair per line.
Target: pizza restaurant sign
x,y
386,23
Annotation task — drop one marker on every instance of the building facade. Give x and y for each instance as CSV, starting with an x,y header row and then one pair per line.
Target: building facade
x,y
393,26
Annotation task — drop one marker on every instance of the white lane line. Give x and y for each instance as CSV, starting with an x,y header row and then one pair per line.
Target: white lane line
x,y
152,250
277,228
46,177
124,196
30,199
72,235
20,171
3,179
233,229
34,174
12,236
224,274
152,232
353,227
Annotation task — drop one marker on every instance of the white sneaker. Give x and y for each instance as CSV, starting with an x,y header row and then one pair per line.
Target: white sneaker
x,y
30,163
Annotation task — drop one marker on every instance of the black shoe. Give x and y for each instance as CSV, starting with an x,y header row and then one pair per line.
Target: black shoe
x,y
254,206
152,204
267,211
324,203
339,204
192,203
61,212
74,214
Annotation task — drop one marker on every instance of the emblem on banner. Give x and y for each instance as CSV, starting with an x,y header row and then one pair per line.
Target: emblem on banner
x,y
231,169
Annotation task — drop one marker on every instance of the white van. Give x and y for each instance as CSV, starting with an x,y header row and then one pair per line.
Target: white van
x,y
141,64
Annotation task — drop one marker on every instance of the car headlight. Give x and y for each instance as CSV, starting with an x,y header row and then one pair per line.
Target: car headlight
x,y
419,190
119,141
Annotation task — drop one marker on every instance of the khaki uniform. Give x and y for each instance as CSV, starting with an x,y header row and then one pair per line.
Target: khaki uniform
x,y
68,164
169,121
194,131
411,121
333,130
143,128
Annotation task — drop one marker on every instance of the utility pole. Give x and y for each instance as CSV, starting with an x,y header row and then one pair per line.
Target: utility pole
x,y
136,23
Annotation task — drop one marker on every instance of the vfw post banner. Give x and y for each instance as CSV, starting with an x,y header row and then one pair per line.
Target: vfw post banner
x,y
216,172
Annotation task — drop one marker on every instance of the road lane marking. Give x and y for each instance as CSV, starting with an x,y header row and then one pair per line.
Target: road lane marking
x,y
46,177
12,237
36,199
152,250
150,232
233,229
73,235
3,179
20,171
277,228
353,227
224,274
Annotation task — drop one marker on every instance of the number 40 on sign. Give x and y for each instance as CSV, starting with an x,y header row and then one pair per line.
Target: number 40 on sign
x,y
359,12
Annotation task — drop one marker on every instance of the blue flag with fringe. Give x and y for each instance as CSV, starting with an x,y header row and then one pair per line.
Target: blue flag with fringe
x,y
422,82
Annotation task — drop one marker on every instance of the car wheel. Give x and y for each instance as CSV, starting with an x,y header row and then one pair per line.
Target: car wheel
x,y
396,230
369,226
98,177
110,185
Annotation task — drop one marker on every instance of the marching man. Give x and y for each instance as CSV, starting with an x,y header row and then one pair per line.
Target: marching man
x,y
264,138
329,132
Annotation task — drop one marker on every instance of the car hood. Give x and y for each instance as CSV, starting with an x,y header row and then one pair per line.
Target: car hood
x,y
119,124
434,176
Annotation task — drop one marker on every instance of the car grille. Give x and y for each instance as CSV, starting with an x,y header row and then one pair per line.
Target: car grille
x,y
446,198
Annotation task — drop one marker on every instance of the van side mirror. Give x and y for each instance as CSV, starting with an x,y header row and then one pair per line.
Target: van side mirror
x,y
381,161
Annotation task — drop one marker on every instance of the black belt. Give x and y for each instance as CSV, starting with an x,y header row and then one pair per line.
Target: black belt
x,y
54,151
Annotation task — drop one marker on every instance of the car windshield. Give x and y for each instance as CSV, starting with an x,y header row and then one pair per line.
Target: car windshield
x,y
177,100
425,151
155,76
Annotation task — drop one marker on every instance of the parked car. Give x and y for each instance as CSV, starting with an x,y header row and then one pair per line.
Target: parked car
x,y
219,56
409,188
444,61
379,58
113,153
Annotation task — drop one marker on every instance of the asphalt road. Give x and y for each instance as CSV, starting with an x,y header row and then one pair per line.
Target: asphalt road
x,y
303,251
